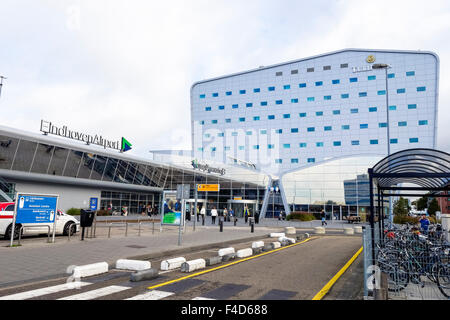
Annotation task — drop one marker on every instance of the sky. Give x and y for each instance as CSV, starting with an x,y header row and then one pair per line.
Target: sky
x,y
125,68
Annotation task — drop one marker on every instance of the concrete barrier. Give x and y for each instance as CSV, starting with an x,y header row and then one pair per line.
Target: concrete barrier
x,y
172,264
148,274
225,251
276,245
134,265
290,230
277,235
349,231
358,229
243,253
193,265
213,260
229,257
90,269
319,230
257,250
258,244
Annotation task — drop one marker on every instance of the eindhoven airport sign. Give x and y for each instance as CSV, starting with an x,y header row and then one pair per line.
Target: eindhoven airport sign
x,y
48,127
206,168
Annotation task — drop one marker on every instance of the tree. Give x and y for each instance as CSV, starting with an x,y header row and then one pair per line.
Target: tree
x,y
422,203
401,207
433,207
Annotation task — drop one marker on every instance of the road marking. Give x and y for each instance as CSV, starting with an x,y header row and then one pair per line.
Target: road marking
x,y
227,265
96,293
333,280
44,291
152,295
202,298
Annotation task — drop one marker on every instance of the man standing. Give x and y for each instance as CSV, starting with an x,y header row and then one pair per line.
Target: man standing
x,y
213,215
246,213
424,223
323,217
203,214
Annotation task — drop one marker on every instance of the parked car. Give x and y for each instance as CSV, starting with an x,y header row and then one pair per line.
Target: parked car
x,y
64,223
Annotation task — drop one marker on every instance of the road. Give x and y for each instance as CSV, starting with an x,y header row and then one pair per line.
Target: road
x,y
298,273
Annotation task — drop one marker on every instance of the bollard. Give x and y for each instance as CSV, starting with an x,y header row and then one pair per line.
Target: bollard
x,y
148,274
252,227
228,257
213,260
221,225
109,230
153,228
139,232
235,221
126,229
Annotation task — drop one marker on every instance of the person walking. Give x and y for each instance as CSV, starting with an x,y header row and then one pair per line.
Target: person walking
x,y
213,215
203,214
149,209
323,217
246,214
231,214
225,214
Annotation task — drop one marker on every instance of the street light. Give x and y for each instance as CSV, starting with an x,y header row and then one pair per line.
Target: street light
x,y
1,83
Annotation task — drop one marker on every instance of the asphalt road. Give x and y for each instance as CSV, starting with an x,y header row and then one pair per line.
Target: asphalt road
x,y
297,273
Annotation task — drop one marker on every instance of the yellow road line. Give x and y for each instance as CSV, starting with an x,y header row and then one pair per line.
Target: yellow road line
x,y
227,265
333,280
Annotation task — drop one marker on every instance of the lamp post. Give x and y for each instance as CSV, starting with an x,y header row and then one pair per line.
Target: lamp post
x,y
1,84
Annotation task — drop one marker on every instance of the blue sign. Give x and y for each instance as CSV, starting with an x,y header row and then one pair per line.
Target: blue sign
x,y
36,209
93,204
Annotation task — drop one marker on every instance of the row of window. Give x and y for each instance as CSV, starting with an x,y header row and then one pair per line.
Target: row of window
x,y
304,85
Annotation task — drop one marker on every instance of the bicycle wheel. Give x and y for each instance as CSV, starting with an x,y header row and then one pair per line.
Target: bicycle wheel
x,y
443,279
398,276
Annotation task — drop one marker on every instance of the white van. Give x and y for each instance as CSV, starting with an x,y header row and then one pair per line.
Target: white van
x,y
64,223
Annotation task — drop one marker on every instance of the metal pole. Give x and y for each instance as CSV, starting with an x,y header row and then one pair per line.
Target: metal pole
x,y
195,204
372,215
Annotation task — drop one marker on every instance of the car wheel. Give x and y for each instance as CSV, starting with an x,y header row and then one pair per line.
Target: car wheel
x,y
69,228
16,232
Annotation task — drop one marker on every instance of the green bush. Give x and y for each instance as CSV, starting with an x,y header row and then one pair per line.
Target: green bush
x,y
401,219
302,216
73,212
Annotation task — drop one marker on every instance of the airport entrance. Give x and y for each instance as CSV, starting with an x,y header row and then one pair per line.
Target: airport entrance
x,y
239,205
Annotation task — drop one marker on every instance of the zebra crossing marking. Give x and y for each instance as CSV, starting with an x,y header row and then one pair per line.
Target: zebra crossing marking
x,y
44,291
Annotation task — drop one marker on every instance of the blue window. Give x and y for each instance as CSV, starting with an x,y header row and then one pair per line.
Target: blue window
x,y
336,112
271,117
278,160
213,149
402,124
327,128
256,147
354,110
202,96
264,131
311,129
294,160
226,148
355,142
344,96
279,131
286,86
310,99
392,108
207,108
319,83
374,141
294,100
235,106
345,127
362,94
326,97
371,77
302,115
335,81
336,143
294,130
410,73
215,94
412,106
419,89
256,90
228,120
391,75
234,134
287,145
393,141
279,101
200,149
413,140
256,118
221,107
381,92
423,122
302,144
270,146
271,88
263,103
286,116
382,125
302,85
228,93
311,160
214,121
353,79
249,105
241,148
372,109
220,134
319,144
241,119
207,135
363,126
402,90
242,91
319,113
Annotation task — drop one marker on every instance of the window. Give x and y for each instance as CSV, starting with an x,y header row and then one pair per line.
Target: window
x,y
410,73
391,75
364,126
372,109
310,99
271,88
354,110
234,134
336,112
220,134
413,140
221,107
362,94
319,113
228,93
302,144
326,68
279,73
294,71
336,143
326,97
242,91
287,145
256,90
302,85
249,105
344,96
286,116
271,117
279,131
226,148
278,161
294,100
392,108
256,118
402,90
311,160
353,79
311,129
374,141
294,130
241,148
393,141
270,146
355,142
207,108
344,65
335,81
382,125
215,94
202,96
241,119
345,127
294,160
423,122
412,106
302,115
214,121
228,120
256,147
402,124
263,103
213,149
419,89
319,83
286,86
235,106
207,135
310,70
279,101
319,144
371,77
381,92
200,149
264,131
327,128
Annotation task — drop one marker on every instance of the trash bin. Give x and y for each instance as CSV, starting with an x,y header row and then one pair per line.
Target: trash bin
x,y
86,218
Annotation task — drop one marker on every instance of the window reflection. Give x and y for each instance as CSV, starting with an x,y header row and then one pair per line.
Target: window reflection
x,y
8,148
24,156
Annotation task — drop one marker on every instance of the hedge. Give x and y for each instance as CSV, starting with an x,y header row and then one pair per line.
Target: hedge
x,y
302,216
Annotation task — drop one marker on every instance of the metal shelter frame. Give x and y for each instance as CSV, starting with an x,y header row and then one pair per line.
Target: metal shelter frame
x,y
427,169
